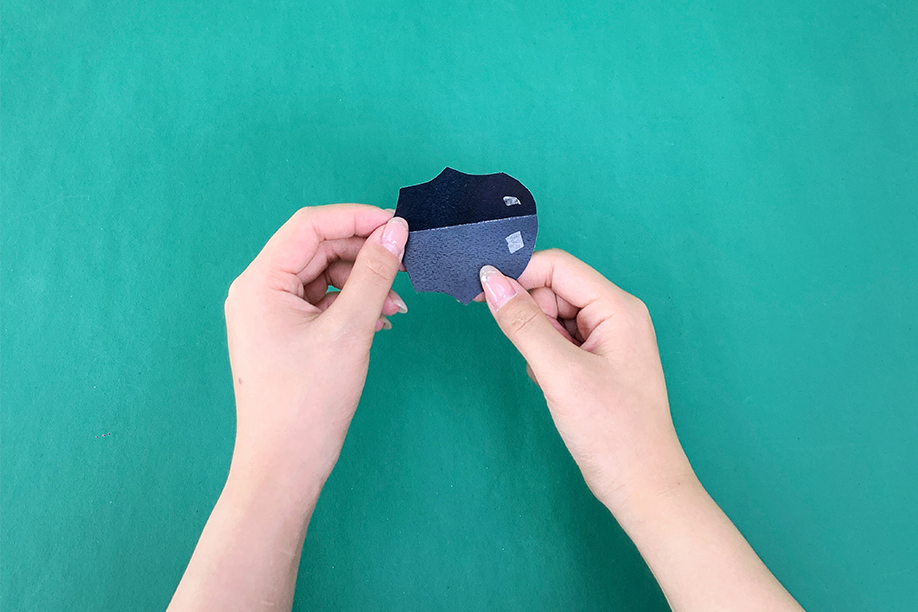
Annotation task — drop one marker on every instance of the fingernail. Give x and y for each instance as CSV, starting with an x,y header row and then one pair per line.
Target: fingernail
x,y
395,236
385,323
389,210
400,304
497,288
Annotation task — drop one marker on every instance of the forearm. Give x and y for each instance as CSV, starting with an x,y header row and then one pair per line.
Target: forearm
x,y
249,552
700,559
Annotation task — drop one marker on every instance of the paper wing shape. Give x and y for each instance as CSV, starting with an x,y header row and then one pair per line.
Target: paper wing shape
x,y
460,222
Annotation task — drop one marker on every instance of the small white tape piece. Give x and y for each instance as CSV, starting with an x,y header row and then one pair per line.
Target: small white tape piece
x,y
511,201
514,242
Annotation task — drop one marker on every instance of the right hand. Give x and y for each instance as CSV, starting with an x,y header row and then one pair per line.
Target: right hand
x,y
592,349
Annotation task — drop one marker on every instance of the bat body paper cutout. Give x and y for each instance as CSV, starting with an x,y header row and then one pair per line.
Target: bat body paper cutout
x,y
460,222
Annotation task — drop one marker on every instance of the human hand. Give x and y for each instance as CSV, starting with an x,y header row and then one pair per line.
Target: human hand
x,y
299,354
591,348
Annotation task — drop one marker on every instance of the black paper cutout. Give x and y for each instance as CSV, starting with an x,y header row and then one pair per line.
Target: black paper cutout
x,y
460,222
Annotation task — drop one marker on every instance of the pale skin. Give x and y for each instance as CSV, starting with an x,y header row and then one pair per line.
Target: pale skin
x,y
300,354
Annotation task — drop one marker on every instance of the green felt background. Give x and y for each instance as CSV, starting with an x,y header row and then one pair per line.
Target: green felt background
x,y
749,169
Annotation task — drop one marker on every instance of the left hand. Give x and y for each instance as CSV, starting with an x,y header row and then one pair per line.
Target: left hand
x,y
299,354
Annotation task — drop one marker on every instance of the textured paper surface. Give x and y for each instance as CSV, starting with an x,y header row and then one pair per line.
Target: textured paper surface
x,y
460,222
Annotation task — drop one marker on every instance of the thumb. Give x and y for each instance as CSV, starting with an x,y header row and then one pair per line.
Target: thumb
x,y
521,319
362,297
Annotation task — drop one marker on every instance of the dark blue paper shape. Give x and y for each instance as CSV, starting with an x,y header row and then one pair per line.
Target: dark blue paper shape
x,y
460,222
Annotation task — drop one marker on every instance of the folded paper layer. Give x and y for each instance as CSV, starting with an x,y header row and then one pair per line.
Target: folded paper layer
x,y
450,257
460,222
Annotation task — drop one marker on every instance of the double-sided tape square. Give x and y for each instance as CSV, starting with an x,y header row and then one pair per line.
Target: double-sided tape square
x,y
459,223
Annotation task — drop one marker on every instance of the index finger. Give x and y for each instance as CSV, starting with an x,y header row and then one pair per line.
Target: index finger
x,y
568,277
294,245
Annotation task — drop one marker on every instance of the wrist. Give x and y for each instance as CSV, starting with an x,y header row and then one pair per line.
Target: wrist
x,y
290,459
655,480
285,490
654,501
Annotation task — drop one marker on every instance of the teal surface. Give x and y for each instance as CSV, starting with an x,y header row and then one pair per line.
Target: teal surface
x,y
749,170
